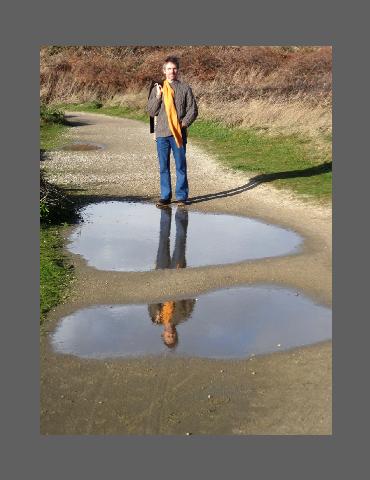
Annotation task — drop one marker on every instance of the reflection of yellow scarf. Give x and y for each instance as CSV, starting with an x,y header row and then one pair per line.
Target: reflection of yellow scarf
x,y
169,104
166,314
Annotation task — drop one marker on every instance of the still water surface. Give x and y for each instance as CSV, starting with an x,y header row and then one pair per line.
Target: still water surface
x,y
230,323
123,236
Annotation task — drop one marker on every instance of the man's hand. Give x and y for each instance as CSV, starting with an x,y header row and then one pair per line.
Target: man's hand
x,y
159,90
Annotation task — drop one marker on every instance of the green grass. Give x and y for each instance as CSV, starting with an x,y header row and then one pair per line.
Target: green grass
x,y
289,162
115,111
55,272
51,135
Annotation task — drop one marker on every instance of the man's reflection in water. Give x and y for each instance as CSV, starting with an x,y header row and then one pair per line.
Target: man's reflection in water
x,y
171,313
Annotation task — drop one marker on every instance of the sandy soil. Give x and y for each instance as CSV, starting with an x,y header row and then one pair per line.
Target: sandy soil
x,y
288,393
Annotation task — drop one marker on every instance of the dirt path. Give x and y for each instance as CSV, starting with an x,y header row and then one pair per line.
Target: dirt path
x,y
290,392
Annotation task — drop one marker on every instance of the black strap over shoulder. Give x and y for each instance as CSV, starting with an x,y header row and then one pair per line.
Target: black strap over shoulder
x,y
151,119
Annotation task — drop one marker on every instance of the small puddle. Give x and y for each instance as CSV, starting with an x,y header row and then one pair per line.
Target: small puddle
x,y
124,236
231,323
82,147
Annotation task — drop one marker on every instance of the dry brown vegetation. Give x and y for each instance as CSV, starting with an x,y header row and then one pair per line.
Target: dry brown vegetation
x,y
275,89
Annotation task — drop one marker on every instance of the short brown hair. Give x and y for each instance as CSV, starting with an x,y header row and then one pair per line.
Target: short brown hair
x,y
173,60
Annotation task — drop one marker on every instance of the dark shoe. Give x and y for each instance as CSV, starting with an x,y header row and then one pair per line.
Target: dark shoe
x,y
162,203
182,203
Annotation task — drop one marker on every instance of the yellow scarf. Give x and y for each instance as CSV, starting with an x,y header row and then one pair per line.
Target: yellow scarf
x,y
169,104
167,311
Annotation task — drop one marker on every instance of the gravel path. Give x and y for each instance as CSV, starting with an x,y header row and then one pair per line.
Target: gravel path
x,y
127,167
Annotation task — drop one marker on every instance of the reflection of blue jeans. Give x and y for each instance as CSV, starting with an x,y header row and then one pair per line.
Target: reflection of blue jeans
x,y
178,257
164,147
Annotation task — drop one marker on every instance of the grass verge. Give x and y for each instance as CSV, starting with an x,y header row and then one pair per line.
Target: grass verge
x,y
51,135
55,271
96,107
291,162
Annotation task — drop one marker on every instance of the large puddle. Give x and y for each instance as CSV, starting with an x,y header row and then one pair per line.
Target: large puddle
x,y
232,323
123,236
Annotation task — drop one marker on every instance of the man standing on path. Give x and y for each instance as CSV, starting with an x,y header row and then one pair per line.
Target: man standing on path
x,y
176,109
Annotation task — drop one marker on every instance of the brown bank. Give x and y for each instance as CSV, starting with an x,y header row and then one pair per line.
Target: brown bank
x,y
282,393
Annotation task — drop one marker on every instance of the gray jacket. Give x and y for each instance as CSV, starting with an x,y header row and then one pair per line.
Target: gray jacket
x,y
186,107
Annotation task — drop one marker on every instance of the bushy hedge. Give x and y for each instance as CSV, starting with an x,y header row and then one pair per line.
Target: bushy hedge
x,y
49,114
55,206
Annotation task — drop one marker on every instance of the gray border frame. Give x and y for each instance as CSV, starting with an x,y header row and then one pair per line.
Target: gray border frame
x,y
310,23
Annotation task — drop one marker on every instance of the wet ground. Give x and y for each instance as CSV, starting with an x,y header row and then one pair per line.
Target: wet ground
x,y
123,236
232,323
285,392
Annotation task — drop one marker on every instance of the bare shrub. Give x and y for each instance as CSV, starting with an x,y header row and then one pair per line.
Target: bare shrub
x,y
273,88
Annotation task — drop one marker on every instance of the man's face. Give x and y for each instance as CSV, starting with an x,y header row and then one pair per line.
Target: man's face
x,y
170,70
169,335
169,338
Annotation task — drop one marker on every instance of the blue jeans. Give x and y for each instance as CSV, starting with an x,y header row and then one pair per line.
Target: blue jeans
x,y
164,147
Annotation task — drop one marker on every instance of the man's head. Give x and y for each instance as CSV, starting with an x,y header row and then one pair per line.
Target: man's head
x,y
171,68
169,336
